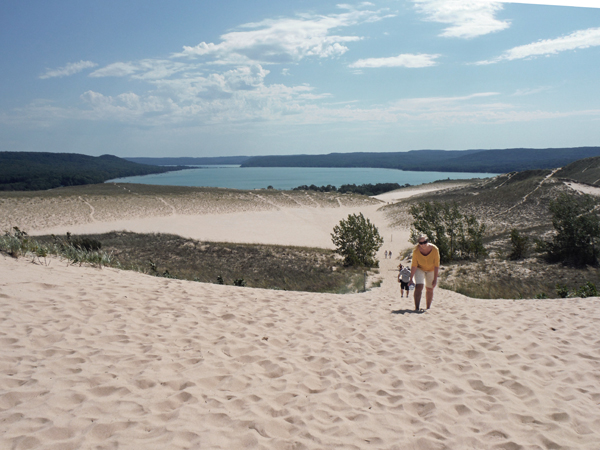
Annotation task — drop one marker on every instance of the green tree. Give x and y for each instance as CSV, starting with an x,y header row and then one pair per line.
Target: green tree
x,y
519,244
457,235
577,229
357,240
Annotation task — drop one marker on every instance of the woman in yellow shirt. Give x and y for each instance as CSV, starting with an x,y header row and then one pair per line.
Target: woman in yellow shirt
x,y
424,270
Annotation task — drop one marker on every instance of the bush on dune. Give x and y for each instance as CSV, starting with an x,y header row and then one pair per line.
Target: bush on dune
x,y
577,227
457,235
357,240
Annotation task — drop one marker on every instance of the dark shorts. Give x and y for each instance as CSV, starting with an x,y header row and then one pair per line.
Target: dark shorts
x,y
403,285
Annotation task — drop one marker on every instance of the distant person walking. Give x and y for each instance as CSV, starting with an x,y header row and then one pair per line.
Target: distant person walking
x,y
403,279
424,270
385,255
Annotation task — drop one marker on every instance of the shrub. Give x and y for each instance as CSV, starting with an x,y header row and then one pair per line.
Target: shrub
x,y
519,244
562,290
577,230
457,235
587,290
357,240
239,282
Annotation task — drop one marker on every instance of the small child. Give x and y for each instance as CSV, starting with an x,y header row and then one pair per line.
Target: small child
x,y
403,279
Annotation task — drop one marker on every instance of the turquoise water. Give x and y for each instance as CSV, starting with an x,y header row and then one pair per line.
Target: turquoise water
x,y
235,177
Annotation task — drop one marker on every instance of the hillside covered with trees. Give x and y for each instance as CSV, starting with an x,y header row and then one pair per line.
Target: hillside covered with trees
x,y
479,161
190,161
34,171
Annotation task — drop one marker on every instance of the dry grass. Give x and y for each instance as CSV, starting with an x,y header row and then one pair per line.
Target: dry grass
x,y
493,278
261,266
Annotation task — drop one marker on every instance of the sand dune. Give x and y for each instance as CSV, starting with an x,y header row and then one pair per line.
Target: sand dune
x,y
310,226
105,359
96,358
262,216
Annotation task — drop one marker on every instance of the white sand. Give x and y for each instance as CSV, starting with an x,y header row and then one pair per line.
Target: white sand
x,y
584,188
107,359
95,358
400,194
286,226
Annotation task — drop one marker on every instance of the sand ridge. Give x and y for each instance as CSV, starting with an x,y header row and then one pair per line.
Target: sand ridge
x,y
206,214
75,207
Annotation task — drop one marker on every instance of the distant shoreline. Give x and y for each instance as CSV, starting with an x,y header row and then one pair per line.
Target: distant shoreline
x,y
287,178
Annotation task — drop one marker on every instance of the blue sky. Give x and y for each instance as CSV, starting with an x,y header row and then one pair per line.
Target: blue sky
x,y
206,78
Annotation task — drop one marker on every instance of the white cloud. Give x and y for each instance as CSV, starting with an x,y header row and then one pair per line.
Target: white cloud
x,y
531,91
578,40
285,40
118,69
414,104
438,111
192,93
127,107
467,18
236,95
406,60
145,69
69,69
242,78
278,105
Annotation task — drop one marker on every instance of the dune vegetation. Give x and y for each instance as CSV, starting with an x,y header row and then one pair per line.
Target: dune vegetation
x,y
170,256
518,202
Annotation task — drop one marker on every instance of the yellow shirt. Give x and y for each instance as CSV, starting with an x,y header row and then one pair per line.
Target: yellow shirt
x,y
426,263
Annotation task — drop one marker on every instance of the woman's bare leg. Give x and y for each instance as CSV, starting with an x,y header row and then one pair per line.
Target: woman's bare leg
x,y
429,297
417,295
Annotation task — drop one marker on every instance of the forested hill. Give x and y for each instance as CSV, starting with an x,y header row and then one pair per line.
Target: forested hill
x,y
32,171
480,161
191,161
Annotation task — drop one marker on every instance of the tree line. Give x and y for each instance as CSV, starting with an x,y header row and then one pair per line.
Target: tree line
x,y
479,161
363,189
33,171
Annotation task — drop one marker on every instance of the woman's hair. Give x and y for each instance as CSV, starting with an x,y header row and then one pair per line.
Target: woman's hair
x,y
421,236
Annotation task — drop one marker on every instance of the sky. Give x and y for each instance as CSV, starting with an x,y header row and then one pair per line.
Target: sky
x,y
206,78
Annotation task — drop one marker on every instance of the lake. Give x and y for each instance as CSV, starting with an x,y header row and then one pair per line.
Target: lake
x,y
285,178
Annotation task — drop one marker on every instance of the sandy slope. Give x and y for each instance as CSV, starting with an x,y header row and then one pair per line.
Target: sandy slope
x,y
104,359
309,226
403,193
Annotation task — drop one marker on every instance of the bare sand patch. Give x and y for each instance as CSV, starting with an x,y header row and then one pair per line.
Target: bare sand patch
x,y
407,192
263,216
584,188
224,215
310,227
